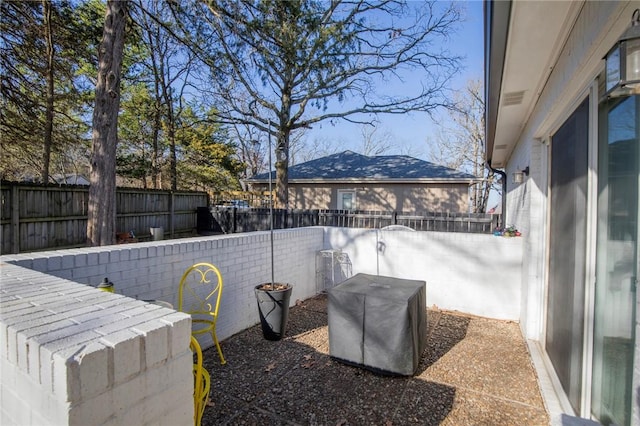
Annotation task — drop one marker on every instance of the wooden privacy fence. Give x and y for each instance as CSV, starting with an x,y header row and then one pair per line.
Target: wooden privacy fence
x,y
38,217
232,220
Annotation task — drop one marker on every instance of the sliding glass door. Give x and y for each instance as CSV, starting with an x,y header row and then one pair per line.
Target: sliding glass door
x,y
567,251
616,260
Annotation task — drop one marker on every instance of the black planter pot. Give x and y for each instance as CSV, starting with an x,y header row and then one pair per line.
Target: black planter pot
x,y
273,306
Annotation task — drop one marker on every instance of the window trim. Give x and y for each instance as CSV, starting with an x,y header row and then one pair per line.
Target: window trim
x,y
339,203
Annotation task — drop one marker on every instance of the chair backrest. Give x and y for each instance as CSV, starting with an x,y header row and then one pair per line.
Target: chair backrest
x,y
200,290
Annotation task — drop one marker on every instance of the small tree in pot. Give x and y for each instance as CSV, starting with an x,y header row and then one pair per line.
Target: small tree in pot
x,y
273,298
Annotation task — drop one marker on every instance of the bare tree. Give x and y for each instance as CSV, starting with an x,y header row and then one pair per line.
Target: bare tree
x,y
460,145
102,191
318,147
298,147
375,140
282,66
251,149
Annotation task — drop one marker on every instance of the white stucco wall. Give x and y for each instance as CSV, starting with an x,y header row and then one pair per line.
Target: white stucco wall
x,y
472,273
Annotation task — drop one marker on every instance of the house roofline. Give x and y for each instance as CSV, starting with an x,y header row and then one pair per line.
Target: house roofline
x,y
496,29
468,181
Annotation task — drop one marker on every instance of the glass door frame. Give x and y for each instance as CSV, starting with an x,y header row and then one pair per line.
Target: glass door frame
x,y
591,244
590,250
604,110
593,91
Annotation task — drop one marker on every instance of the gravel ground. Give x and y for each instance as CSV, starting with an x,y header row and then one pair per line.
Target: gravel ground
x,y
475,371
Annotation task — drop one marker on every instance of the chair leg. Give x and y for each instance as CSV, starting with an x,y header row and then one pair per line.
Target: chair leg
x,y
202,383
215,340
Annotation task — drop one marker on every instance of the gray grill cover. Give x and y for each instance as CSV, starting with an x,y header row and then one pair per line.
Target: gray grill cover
x,y
378,322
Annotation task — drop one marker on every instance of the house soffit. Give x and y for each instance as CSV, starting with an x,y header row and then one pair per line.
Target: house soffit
x,y
536,35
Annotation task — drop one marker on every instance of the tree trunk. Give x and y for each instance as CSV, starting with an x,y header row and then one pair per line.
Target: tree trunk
x,y
167,96
48,127
282,147
102,192
282,170
157,115
173,159
155,154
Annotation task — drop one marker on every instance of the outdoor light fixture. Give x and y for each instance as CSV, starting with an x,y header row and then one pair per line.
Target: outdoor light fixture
x,y
623,62
518,177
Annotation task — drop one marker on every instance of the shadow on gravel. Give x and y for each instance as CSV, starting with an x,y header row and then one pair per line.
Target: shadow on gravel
x,y
295,381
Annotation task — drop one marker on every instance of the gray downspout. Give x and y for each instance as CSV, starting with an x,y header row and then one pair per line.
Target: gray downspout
x,y
503,175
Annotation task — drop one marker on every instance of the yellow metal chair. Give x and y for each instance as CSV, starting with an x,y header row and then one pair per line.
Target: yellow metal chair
x,y
199,296
202,383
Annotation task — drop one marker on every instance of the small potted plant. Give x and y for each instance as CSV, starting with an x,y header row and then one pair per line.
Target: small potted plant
x,y
273,298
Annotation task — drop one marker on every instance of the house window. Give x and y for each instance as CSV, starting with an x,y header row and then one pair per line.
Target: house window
x,y
346,199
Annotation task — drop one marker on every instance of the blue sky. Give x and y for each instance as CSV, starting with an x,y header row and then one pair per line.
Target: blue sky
x,y
411,132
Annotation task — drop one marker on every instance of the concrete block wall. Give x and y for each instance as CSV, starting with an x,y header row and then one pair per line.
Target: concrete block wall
x,y
472,273
71,354
152,270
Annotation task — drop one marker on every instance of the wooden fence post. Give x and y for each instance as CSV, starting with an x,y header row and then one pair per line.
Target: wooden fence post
x,y
171,213
234,218
15,219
